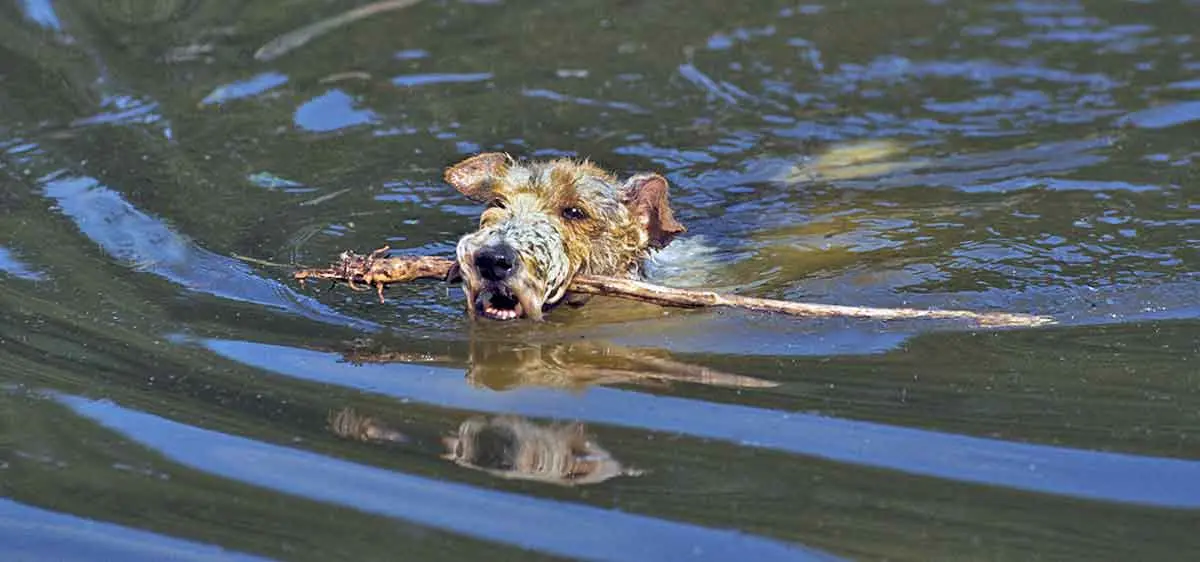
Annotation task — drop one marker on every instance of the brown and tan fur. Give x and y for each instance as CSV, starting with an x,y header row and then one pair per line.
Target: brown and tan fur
x,y
554,219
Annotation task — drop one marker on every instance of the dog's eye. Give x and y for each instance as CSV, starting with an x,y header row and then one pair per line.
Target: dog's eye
x,y
574,213
496,204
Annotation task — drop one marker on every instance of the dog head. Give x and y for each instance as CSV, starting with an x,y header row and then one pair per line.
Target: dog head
x,y
546,222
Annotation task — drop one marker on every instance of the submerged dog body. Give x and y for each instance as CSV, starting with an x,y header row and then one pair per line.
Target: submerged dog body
x,y
549,221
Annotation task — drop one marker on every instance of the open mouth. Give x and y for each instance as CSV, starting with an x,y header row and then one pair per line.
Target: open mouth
x,y
499,303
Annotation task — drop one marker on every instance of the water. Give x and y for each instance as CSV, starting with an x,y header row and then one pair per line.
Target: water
x,y
167,395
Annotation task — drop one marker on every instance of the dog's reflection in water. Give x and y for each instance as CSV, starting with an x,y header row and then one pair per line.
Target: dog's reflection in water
x,y
504,365
575,365
349,424
506,447
514,447
517,448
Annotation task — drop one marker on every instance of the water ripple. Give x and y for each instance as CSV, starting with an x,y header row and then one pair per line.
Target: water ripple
x,y
11,265
1112,477
249,87
415,80
145,243
1164,116
560,528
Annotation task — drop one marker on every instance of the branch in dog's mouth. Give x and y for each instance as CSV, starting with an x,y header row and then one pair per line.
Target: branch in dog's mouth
x,y
374,270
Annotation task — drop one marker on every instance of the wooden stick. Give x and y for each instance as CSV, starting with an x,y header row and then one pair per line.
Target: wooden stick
x,y
375,270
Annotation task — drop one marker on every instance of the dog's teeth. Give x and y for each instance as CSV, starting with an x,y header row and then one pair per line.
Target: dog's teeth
x,y
497,313
490,310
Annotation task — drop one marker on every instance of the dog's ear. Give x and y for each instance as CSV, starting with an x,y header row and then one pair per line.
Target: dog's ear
x,y
476,176
646,197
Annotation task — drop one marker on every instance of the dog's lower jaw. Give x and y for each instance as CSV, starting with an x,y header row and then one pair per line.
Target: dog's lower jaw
x,y
531,307
502,303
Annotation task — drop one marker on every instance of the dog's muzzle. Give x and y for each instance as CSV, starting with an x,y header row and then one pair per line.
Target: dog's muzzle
x,y
499,287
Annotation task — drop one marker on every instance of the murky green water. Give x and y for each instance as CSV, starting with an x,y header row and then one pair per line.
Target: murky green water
x,y
165,398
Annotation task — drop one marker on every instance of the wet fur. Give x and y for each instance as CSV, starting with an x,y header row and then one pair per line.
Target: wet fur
x,y
562,217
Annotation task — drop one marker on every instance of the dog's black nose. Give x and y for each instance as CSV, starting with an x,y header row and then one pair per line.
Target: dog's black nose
x,y
495,263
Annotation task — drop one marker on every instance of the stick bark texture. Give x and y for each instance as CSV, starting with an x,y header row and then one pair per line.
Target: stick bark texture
x,y
362,272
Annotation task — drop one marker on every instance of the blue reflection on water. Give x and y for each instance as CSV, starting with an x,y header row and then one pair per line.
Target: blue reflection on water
x,y
331,111
29,533
11,265
42,12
